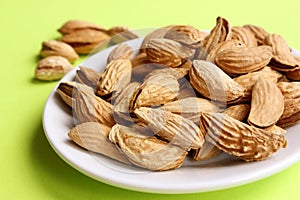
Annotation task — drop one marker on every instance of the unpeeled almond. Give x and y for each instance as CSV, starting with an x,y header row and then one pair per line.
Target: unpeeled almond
x,y
267,104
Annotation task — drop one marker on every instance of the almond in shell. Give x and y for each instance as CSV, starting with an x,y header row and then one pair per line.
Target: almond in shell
x,y
185,34
294,74
172,127
191,108
283,59
168,52
116,76
242,60
121,34
228,44
291,113
65,91
267,104
94,137
52,68
57,48
244,35
155,91
121,105
248,80
290,90
207,151
146,152
239,139
155,34
221,32
259,33
77,25
122,51
88,107
238,112
87,76
210,81
86,40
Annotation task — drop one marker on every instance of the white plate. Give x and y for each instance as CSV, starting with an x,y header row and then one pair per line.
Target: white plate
x,y
218,173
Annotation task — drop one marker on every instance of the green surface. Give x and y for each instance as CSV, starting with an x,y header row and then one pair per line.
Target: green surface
x,y
29,167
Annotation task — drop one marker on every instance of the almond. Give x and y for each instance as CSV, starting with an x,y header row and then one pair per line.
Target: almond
x,y
86,40
168,52
155,91
77,25
283,59
171,127
242,60
57,48
94,137
52,68
221,32
87,76
121,34
146,152
116,76
267,104
122,51
259,33
239,139
184,34
210,81
244,35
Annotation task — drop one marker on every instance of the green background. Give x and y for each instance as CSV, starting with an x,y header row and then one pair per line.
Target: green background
x,y
29,168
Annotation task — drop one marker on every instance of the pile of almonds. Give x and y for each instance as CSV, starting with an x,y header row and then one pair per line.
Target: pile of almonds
x,y
78,37
188,94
